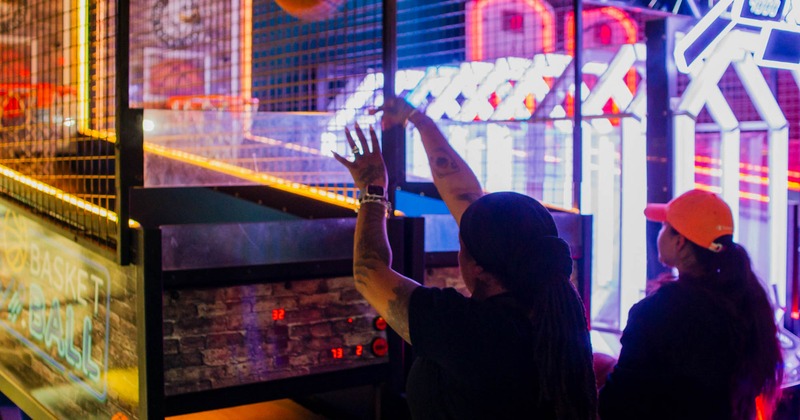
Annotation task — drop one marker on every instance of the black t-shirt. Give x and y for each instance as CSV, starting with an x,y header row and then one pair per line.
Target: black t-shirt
x,y
676,360
475,359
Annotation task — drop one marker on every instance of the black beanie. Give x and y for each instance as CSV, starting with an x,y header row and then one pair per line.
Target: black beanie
x,y
515,237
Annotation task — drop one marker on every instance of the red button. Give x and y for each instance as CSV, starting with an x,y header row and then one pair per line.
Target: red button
x,y
380,347
379,323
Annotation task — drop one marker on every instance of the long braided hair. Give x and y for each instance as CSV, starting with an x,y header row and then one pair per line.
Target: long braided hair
x,y
758,370
514,237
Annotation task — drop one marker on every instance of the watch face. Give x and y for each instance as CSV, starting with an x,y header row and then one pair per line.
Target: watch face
x,y
375,190
12,13
177,23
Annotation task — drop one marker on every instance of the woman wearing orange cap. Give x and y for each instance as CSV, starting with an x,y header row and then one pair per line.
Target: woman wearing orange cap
x,y
705,345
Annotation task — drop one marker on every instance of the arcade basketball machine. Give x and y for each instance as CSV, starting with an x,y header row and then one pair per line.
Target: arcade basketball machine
x,y
102,318
176,236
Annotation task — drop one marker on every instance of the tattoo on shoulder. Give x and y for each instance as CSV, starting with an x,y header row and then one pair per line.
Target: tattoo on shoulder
x,y
469,197
443,163
398,309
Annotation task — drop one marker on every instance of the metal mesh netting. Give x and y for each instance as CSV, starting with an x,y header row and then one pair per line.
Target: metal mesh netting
x,y
253,95
499,76
56,86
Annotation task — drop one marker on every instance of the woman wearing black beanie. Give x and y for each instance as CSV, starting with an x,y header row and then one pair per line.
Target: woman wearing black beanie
x,y
518,347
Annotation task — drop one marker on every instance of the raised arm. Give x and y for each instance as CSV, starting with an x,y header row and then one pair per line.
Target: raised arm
x,y
385,289
454,180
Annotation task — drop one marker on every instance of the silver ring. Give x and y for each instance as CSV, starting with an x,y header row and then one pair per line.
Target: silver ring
x,y
356,151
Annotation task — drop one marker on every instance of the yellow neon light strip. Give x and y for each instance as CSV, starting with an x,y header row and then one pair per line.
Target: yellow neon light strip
x,y
250,175
245,63
83,64
59,194
108,136
239,172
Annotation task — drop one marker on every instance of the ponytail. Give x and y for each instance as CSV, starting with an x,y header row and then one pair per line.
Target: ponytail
x,y
514,237
759,362
548,259
541,281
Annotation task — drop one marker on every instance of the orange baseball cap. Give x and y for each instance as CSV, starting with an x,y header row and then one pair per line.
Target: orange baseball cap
x,y
700,216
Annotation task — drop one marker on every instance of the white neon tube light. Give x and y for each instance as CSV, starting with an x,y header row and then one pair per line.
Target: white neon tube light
x,y
729,178
605,215
683,154
633,256
778,211
760,93
499,158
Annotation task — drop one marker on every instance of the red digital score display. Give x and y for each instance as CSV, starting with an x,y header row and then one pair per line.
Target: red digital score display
x,y
358,351
377,347
278,314
337,353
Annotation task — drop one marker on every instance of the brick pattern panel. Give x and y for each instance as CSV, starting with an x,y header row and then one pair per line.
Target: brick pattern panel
x,y
221,337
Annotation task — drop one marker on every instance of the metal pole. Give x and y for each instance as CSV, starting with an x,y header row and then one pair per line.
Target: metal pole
x,y
129,154
661,86
394,137
577,131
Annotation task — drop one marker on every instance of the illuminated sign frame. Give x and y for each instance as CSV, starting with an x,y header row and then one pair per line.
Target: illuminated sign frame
x,y
779,39
34,256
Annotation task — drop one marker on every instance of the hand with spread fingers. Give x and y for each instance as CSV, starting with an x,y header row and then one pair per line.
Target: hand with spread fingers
x,y
385,289
396,111
367,167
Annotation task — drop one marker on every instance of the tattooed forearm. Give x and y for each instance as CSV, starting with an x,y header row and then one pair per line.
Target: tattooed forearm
x,y
362,269
398,311
443,163
370,174
371,246
360,274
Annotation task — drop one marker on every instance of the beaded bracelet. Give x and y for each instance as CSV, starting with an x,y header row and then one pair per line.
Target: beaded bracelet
x,y
373,199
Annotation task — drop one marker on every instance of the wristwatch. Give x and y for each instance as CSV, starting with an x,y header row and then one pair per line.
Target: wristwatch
x,y
374,192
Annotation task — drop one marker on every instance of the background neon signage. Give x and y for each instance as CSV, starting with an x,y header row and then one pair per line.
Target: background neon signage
x,y
776,21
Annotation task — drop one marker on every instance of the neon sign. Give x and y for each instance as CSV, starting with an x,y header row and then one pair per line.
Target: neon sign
x,y
56,301
777,23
